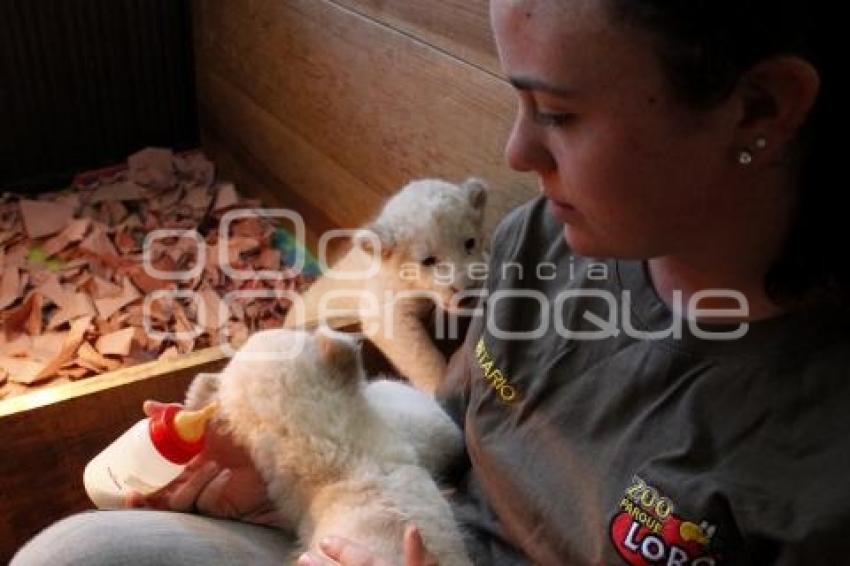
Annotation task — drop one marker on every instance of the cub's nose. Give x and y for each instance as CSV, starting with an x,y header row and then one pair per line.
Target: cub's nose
x,y
467,286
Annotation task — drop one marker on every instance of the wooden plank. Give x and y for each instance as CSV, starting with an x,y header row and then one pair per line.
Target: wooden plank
x,y
108,380
461,28
49,436
345,111
312,175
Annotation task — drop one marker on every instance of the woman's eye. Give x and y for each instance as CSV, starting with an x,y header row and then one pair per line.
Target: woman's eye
x,y
553,120
429,261
469,244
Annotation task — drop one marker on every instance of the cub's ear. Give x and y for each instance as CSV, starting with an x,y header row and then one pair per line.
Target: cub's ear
x,y
376,238
476,191
202,391
338,352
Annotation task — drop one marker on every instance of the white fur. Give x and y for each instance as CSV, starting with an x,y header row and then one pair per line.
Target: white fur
x,y
427,218
416,416
332,463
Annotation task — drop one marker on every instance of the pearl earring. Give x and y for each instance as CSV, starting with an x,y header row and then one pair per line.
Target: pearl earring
x,y
745,157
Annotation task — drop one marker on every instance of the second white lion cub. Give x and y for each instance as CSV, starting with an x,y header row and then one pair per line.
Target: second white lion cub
x,y
421,251
334,461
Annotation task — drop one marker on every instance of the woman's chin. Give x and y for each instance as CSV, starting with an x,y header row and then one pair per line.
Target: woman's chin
x,y
581,243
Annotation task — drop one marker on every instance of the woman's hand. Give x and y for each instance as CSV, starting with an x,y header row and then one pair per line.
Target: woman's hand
x,y
220,482
345,552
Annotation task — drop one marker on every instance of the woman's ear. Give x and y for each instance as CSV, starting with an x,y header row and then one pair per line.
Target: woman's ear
x,y
777,96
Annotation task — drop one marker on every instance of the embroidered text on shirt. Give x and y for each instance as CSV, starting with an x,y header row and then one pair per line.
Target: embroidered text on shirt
x,y
499,382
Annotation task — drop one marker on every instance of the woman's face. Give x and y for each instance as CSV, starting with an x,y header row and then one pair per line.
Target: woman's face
x,y
631,171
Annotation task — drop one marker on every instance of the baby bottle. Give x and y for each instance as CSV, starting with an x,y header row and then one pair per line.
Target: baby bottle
x,y
147,456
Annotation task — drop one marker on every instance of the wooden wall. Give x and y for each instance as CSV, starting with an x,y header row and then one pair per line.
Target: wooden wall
x,y
328,106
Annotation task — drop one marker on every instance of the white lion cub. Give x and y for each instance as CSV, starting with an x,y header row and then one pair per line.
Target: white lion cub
x,y
332,463
419,252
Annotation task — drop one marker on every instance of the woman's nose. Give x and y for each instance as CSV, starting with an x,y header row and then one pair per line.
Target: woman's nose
x,y
525,150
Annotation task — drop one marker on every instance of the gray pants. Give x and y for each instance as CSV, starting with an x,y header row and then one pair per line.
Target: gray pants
x,y
153,538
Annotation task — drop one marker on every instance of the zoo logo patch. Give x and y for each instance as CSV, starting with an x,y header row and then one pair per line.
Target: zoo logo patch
x,y
646,531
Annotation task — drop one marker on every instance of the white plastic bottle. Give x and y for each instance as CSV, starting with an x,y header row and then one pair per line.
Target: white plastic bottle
x,y
148,456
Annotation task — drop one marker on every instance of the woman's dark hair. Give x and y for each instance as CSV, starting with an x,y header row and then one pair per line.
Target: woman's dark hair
x,y
705,47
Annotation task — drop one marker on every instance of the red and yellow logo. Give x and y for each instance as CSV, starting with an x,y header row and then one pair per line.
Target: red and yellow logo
x,y
647,531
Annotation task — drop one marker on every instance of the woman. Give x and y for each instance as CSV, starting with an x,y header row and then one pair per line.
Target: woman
x,y
680,402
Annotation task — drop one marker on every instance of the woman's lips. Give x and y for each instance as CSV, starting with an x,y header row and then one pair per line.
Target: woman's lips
x,y
563,211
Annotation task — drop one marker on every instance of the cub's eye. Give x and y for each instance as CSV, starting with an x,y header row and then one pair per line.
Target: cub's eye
x,y
429,261
469,244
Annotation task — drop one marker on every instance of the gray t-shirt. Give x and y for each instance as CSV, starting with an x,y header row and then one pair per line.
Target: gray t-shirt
x,y
643,450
